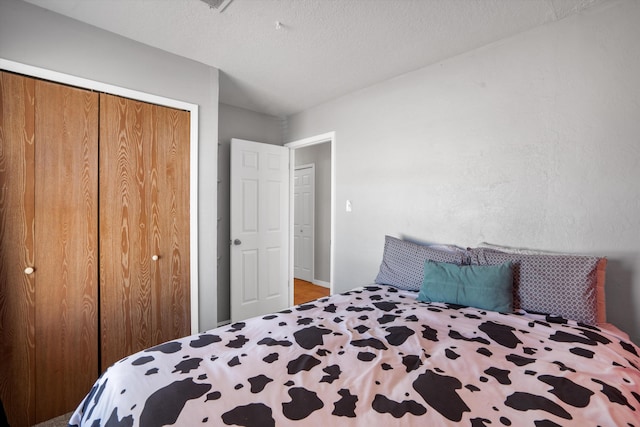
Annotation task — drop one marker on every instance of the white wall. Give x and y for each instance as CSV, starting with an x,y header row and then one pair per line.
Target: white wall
x,y
533,141
320,156
34,36
242,124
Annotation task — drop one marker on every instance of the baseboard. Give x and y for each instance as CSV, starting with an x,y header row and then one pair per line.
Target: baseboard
x,y
322,283
224,322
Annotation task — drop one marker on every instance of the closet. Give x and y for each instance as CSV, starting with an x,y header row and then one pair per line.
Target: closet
x,y
94,238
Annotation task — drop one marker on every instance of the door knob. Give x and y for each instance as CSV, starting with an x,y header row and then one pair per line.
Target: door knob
x,y
29,270
237,242
155,257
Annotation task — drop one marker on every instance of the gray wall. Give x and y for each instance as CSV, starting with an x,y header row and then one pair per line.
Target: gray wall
x,y
34,36
242,124
320,155
532,141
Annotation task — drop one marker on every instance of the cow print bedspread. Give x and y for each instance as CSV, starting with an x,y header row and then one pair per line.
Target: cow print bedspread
x,y
376,356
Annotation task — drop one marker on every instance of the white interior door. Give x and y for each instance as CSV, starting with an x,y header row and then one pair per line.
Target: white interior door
x,y
303,223
259,229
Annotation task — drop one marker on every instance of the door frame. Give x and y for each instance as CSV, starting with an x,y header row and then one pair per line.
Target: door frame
x,y
311,166
329,137
80,82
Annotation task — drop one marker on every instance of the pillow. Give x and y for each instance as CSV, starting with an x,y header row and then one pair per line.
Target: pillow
x,y
601,303
447,248
514,250
563,285
403,263
489,287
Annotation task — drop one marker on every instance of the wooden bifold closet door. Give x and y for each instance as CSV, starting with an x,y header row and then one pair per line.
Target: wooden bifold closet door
x,y
94,239
144,226
48,247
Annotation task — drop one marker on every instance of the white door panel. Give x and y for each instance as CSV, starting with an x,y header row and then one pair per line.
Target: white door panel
x,y
259,229
304,208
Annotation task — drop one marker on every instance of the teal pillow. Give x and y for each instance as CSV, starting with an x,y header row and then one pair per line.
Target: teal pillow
x,y
489,287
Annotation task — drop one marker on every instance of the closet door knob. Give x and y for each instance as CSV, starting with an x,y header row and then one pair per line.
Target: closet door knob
x,y
155,257
29,270
237,242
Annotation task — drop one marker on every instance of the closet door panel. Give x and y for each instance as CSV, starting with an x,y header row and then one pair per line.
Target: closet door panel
x,y
66,265
170,224
144,226
17,289
126,135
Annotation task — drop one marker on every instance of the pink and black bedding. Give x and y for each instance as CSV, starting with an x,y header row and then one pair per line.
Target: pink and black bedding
x,y
380,355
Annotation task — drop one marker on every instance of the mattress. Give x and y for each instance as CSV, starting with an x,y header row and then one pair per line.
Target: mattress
x,y
377,356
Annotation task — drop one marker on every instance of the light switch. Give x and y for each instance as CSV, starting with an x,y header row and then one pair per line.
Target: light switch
x,y
348,206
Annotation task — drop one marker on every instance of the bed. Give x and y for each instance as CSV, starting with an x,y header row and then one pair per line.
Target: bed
x,y
389,354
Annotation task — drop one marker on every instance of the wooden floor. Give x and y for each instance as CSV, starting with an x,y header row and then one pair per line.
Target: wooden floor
x,y
304,291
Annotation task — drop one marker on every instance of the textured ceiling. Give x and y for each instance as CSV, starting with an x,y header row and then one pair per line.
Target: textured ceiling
x,y
323,48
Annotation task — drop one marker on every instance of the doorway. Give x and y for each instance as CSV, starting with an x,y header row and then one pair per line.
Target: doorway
x,y
319,151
